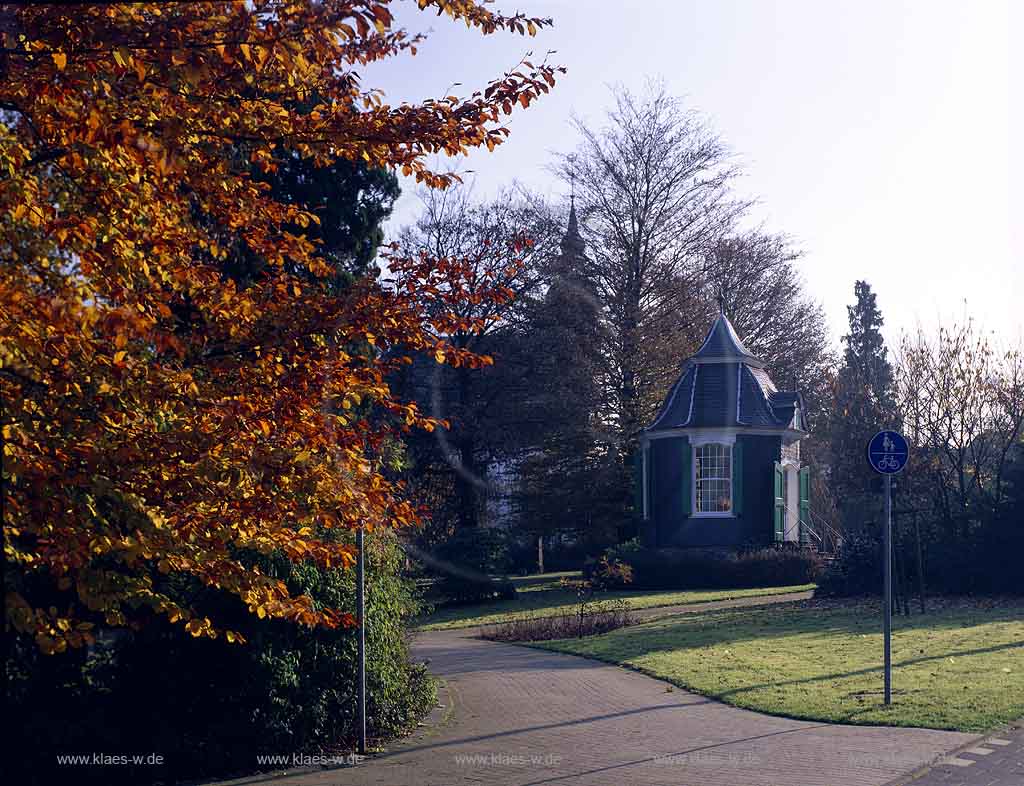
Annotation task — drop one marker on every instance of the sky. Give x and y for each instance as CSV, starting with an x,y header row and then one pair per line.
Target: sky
x,y
876,134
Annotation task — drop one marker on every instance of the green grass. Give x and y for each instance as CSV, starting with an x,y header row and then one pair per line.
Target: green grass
x,y
959,667
541,595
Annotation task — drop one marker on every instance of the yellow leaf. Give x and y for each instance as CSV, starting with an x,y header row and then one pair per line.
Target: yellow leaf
x,y
60,60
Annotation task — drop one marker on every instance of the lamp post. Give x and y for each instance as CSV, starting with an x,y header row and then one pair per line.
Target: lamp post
x,y
361,615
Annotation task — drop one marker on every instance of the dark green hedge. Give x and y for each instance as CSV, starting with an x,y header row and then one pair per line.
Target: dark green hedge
x,y
691,569
210,708
985,560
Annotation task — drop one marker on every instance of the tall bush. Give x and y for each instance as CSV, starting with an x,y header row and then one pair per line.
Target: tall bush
x,y
209,708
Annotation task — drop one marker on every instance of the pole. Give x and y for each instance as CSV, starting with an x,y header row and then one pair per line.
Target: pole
x,y
920,562
887,557
361,612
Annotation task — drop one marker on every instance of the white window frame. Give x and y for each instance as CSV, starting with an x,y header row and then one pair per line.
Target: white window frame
x,y
727,441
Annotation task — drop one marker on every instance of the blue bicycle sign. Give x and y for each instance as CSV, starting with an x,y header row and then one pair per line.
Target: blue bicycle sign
x,y
888,452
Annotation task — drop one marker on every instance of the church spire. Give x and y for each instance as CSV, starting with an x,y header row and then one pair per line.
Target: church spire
x,y
573,246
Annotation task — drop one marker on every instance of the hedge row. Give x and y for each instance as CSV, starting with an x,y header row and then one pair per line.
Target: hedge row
x,y
685,569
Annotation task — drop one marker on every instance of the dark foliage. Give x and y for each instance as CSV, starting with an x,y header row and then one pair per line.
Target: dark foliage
x,y
863,404
691,569
459,589
857,569
558,555
465,563
209,707
985,562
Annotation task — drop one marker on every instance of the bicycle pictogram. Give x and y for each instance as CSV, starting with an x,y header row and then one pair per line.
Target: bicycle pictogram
x,y
888,452
888,462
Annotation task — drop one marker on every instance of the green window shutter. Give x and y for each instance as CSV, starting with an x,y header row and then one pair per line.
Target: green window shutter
x,y
737,478
687,464
780,503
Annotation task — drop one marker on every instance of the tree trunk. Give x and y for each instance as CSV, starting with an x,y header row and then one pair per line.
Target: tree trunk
x,y
540,553
920,562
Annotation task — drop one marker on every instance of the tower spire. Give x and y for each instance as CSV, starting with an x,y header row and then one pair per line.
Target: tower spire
x,y
572,241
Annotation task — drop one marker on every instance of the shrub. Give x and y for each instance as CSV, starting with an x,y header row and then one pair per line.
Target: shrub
x,y
209,707
479,549
987,561
603,616
464,588
857,568
776,567
692,569
606,575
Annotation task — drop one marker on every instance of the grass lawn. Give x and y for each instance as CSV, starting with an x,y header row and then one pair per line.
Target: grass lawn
x,y
960,666
541,595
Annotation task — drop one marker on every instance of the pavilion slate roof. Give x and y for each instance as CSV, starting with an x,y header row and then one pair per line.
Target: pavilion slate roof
x,y
722,343
724,385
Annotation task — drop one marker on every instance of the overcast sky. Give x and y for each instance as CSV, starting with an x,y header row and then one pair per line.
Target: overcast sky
x,y
876,134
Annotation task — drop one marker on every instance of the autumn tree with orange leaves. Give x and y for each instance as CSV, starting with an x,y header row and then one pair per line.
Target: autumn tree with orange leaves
x,y
160,416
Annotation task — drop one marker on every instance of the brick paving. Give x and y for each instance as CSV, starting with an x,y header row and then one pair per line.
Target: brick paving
x,y
997,760
526,717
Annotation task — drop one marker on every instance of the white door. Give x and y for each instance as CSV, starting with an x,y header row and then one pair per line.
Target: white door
x,y
792,503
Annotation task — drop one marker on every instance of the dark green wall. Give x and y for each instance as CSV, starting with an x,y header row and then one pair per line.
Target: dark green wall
x,y
670,523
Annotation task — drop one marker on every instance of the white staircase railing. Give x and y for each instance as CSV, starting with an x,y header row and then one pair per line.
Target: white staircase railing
x,y
801,526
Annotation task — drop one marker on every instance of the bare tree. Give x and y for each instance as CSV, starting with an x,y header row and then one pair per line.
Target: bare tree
x,y
769,306
962,403
653,185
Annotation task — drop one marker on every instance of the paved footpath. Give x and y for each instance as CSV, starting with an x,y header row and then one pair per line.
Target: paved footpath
x,y
525,717
997,760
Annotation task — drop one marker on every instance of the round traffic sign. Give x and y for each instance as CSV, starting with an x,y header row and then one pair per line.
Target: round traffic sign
x,y
888,452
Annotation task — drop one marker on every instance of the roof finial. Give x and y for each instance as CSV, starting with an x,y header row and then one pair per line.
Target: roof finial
x,y
572,180
721,302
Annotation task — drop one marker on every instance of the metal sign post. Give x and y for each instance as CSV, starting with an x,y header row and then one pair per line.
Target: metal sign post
x,y
361,611
887,625
887,454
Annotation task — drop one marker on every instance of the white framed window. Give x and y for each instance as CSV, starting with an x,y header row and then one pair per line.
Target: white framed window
x,y
712,479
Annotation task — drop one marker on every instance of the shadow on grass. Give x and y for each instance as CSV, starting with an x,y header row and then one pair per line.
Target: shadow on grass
x,y
735,626
872,670
541,600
